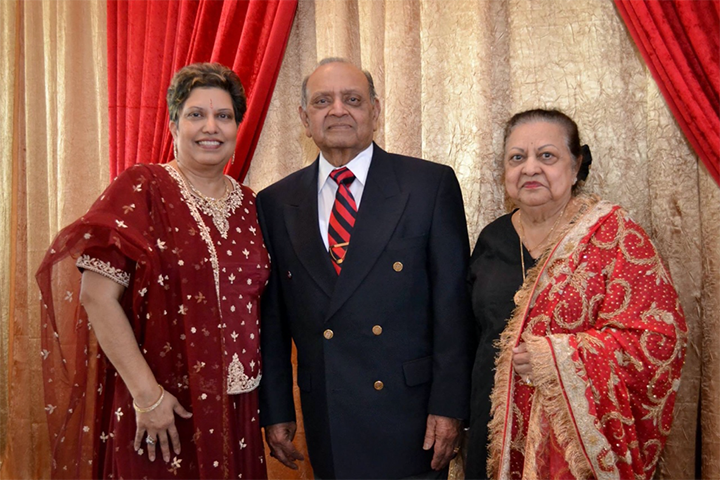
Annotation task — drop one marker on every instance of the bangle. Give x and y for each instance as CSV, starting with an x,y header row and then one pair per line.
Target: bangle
x,y
153,406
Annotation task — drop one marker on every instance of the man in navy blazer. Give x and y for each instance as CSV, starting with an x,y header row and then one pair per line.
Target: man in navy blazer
x,y
384,347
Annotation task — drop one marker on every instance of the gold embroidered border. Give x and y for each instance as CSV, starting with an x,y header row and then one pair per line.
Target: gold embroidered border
x,y
580,438
204,229
238,381
105,269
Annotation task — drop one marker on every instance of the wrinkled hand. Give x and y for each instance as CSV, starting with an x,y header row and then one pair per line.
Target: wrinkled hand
x,y
444,433
279,438
159,424
521,363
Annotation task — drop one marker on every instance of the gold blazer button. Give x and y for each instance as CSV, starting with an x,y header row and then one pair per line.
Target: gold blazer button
x,y
328,334
398,266
377,329
379,385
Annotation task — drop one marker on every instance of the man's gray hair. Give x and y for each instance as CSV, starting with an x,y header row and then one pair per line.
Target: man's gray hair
x,y
325,61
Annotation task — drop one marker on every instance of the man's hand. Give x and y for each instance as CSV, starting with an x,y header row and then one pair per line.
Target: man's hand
x,y
444,433
279,438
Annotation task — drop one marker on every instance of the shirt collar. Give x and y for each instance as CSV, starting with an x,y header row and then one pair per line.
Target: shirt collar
x,y
359,166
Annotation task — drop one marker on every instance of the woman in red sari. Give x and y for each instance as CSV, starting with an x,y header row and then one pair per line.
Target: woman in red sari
x,y
173,264
593,335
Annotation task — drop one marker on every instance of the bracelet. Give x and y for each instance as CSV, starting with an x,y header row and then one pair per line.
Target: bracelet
x,y
153,406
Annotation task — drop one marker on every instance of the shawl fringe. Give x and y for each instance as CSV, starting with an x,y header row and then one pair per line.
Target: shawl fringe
x,y
549,395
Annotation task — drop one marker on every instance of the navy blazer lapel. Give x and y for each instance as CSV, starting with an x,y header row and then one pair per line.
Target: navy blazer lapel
x,y
380,210
301,220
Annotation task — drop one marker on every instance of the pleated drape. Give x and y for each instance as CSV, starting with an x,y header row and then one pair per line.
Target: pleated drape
x,y
148,41
8,70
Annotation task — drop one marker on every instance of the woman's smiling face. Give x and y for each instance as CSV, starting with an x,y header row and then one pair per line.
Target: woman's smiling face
x,y
206,131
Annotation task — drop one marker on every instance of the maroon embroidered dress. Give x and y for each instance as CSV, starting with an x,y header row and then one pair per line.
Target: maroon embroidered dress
x,y
607,338
193,279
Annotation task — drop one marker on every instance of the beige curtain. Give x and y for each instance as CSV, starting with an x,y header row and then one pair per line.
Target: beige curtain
x,y
53,139
449,73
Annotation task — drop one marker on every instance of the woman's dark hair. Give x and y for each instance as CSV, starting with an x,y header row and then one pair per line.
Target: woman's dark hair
x,y
571,134
205,75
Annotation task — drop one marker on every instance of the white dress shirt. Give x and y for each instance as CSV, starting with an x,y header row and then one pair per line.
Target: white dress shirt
x,y
327,188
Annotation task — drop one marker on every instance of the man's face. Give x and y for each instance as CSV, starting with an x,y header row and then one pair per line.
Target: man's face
x,y
340,116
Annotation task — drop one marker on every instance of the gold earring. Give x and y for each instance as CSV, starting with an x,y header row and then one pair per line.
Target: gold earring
x,y
232,161
175,150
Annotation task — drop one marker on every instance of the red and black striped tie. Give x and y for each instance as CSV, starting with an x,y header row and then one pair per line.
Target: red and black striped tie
x,y
342,217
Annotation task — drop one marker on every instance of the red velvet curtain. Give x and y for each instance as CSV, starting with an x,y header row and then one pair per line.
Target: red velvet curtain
x,y
148,41
680,42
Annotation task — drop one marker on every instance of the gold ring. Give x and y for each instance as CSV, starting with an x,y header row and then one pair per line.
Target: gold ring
x,y
456,449
150,441
529,382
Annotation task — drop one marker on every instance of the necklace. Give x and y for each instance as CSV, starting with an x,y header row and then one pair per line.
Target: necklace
x,y
542,242
219,209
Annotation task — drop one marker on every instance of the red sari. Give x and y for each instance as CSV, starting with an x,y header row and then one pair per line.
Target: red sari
x,y
193,282
607,338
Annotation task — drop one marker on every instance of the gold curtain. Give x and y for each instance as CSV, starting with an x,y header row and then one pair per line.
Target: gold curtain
x,y
448,74
54,145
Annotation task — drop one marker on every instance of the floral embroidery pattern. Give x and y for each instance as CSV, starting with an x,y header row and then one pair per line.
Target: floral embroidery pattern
x,y
103,268
238,382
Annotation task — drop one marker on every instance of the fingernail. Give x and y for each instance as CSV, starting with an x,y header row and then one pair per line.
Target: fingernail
x,y
426,446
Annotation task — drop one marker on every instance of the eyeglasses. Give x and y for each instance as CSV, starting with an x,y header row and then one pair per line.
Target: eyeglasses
x,y
336,259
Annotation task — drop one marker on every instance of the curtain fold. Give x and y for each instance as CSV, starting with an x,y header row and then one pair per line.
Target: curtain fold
x,y
54,164
149,41
680,42
9,16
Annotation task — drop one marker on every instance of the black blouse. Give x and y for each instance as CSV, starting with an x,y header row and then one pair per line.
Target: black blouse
x,y
494,277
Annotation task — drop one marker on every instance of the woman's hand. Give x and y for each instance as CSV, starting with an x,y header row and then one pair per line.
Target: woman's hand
x,y
101,298
521,363
159,424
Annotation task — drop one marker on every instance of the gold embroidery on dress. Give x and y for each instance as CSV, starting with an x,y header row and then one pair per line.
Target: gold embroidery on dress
x,y
219,209
237,381
105,269
519,443
625,285
204,230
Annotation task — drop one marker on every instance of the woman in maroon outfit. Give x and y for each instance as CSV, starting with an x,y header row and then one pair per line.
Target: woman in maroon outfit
x,y
173,265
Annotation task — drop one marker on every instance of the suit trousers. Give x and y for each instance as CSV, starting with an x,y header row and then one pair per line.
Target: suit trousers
x,y
431,475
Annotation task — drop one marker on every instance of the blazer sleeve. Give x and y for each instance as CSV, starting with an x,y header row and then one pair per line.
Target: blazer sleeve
x,y
453,334
276,388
